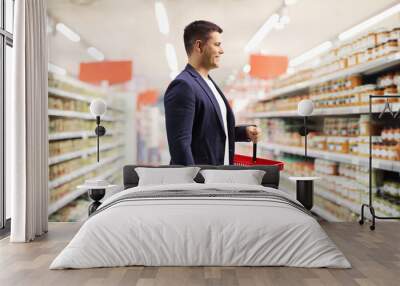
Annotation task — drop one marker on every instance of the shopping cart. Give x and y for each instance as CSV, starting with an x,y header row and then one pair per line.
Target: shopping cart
x,y
242,160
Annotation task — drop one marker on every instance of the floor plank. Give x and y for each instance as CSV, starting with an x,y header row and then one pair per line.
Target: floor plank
x,y
374,255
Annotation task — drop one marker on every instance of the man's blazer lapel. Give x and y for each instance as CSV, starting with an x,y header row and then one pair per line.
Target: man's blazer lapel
x,y
208,92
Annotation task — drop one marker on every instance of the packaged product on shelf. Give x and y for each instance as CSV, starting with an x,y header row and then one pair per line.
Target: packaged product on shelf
x,y
391,188
326,167
383,36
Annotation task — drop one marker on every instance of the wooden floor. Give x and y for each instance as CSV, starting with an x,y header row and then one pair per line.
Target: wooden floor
x,y
375,257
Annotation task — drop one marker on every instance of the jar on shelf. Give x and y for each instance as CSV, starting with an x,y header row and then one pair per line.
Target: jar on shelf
x,y
383,36
371,39
391,90
397,150
395,34
396,137
353,145
370,54
377,92
364,125
380,50
391,46
392,152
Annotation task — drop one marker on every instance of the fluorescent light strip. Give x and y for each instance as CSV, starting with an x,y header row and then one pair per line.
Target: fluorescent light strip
x,y
262,32
56,69
311,53
67,32
171,57
162,18
369,23
173,74
290,2
95,53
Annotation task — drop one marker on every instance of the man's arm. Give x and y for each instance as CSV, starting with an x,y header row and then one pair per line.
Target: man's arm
x,y
247,133
179,103
241,134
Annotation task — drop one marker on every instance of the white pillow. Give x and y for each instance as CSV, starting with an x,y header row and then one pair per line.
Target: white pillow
x,y
248,177
164,176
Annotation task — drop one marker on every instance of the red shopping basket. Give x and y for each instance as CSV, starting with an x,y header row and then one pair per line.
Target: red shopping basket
x,y
242,160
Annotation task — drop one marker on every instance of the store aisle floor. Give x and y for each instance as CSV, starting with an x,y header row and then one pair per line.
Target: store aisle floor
x,y
375,257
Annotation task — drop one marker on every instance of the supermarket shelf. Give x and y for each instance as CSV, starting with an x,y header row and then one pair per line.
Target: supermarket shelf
x,y
324,111
337,157
321,191
78,83
366,68
71,95
76,114
78,192
78,134
82,171
81,153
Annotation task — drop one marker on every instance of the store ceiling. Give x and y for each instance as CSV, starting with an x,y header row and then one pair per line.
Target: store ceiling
x,y
127,29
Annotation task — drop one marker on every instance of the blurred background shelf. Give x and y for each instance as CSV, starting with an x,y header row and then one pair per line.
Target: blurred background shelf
x,y
79,134
76,114
55,206
72,141
82,171
81,153
377,108
375,66
337,157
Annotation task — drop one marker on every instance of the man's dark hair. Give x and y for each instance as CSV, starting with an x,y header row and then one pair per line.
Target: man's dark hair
x,y
198,30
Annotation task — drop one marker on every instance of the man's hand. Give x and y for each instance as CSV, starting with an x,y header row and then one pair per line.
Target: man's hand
x,y
253,133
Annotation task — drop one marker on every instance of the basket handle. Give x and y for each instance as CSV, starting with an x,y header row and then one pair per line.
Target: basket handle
x,y
254,147
254,152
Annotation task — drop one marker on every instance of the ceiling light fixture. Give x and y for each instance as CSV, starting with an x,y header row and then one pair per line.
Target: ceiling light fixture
x,y
246,68
162,18
325,46
95,53
67,32
171,57
290,2
56,69
173,74
261,33
369,23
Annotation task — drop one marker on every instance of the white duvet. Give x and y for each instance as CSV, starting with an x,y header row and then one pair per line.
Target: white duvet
x,y
200,231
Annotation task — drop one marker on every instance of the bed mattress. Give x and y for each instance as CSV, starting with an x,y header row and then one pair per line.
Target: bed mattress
x,y
201,225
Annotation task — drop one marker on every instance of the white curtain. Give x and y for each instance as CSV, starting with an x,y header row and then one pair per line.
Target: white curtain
x,y
26,123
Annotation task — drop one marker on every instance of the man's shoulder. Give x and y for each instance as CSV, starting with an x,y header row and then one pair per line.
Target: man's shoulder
x,y
185,76
183,80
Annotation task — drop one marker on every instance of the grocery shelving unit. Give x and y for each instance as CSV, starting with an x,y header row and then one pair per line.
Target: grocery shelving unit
x,y
348,110
78,192
367,68
78,134
81,153
369,71
332,156
67,91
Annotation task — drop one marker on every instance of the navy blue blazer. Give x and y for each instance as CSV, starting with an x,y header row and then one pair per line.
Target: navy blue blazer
x,y
195,129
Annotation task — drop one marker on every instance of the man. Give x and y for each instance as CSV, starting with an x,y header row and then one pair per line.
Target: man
x,y
200,123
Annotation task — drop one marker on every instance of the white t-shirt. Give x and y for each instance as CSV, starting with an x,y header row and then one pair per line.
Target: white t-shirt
x,y
222,107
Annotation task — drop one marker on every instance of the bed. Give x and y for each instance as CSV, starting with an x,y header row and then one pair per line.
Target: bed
x,y
197,224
